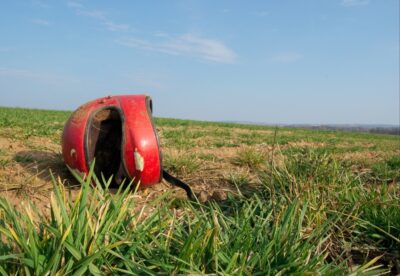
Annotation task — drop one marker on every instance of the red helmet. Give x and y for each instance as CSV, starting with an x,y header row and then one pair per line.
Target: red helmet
x,y
119,133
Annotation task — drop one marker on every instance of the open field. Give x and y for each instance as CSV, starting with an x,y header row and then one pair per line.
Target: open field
x,y
271,201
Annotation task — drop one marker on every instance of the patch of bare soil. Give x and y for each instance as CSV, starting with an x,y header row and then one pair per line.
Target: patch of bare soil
x,y
217,171
359,156
9,144
211,129
30,164
243,130
26,174
306,144
210,175
355,144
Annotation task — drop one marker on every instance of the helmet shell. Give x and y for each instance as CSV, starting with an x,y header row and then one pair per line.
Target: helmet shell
x,y
119,134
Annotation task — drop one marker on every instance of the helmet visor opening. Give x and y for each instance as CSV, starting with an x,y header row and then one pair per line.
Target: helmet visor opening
x,y
104,144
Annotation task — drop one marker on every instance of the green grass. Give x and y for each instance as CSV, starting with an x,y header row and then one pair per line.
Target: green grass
x,y
388,170
4,163
238,179
217,143
182,165
32,122
24,158
251,158
284,228
207,157
46,123
310,213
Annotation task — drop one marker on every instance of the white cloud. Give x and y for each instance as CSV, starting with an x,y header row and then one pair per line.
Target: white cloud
x,y
99,16
111,26
287,57
40,4
40,22
186,45
96,14
161,34
352,3
73,4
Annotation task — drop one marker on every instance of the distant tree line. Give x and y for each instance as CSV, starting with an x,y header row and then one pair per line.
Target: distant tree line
x,y
391,130
378,130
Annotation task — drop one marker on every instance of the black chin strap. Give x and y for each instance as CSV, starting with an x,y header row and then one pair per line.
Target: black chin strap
x,y
177,182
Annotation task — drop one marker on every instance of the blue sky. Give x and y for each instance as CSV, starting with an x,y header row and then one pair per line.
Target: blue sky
x,y
322,61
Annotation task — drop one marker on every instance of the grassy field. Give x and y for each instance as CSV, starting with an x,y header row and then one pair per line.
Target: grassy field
x,y
270,201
